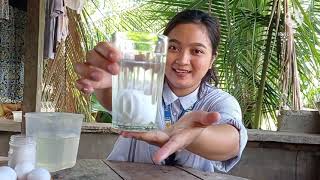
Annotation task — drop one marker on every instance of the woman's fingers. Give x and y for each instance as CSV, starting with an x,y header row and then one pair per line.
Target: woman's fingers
x,y
197,119
173,145
105,82
96,72
92,78
107,51
209,118
153,137
185,131
87,71
84,87
96,59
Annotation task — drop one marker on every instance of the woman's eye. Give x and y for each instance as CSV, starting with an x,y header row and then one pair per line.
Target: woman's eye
x,y
198,51
172,48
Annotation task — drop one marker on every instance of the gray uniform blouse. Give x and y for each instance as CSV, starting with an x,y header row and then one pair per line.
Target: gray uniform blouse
x,y
211,99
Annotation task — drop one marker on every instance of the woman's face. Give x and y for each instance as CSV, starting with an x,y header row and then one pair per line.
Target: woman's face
x,y
189,57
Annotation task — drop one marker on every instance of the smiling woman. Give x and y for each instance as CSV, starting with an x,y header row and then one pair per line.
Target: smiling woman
x,y
200,126
189,58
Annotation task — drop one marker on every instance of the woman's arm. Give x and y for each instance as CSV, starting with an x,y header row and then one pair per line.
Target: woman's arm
x,y
195,132
217,142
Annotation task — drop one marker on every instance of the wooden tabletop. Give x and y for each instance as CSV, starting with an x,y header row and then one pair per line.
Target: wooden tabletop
x,y
95,169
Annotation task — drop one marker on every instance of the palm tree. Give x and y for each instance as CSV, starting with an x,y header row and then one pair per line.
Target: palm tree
x,y
262,57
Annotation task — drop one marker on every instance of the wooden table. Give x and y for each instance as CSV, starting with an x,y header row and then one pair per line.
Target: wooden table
x,y
95,169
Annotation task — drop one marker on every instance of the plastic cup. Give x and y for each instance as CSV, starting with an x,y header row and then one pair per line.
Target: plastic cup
x,y
137,89
57,136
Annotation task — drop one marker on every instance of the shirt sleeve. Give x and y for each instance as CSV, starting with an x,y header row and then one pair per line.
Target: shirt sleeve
x,y
230,113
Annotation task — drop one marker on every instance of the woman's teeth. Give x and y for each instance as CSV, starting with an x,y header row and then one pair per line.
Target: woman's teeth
x,y
181,71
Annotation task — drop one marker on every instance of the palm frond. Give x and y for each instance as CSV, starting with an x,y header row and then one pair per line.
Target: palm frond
x,y
251,50
59,74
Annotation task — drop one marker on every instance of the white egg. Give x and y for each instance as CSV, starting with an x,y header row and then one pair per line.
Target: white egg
x,y
132,108
22,169
7,173
39,174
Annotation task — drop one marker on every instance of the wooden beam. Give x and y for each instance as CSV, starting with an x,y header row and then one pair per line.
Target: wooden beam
x,y
33,65
4,160
7,125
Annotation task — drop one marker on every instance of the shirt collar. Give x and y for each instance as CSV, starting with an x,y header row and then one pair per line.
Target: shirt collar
x,y
186,101
168,95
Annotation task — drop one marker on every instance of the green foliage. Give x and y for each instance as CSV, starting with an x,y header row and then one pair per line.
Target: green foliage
x,y
101,114
143,41
104,117
96,106
250,53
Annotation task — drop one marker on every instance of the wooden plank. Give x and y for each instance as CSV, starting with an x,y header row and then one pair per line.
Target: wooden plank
x,y
210,176
87,169
307,164
132,171
283,137
254,135
13,126
4,161
10,125
98,128
33,66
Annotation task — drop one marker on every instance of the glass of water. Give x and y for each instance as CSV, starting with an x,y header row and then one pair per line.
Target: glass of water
x,y
137,89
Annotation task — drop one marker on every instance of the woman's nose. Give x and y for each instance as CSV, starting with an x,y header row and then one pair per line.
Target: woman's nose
x,y
183,58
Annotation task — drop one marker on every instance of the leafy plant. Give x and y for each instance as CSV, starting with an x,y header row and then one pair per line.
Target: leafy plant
x,y
254,46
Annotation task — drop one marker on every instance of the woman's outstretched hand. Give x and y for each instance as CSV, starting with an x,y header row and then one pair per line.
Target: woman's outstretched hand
x,y
96,72
179,135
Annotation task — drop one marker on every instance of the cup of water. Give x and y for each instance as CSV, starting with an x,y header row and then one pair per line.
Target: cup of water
x,y
57,137
137,89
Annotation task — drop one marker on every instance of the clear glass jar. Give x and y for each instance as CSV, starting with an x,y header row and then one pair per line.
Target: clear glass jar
x,y
22,149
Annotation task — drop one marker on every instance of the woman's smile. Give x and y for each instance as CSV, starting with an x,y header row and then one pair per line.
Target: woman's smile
x,y
180,72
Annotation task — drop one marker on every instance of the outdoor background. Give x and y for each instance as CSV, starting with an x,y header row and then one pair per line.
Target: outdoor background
x,y
269,56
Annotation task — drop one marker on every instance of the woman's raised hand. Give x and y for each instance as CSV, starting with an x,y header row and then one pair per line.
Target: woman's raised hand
x,y
101,63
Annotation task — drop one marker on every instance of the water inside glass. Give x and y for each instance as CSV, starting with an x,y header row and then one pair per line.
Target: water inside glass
x,y
137,89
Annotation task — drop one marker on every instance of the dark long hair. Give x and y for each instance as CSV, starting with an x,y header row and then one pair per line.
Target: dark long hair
x,y
213,29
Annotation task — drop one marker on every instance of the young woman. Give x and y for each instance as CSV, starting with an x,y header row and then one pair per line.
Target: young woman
x,y
211,134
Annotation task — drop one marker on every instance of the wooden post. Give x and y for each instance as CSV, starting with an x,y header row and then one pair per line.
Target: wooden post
x,y
33,65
